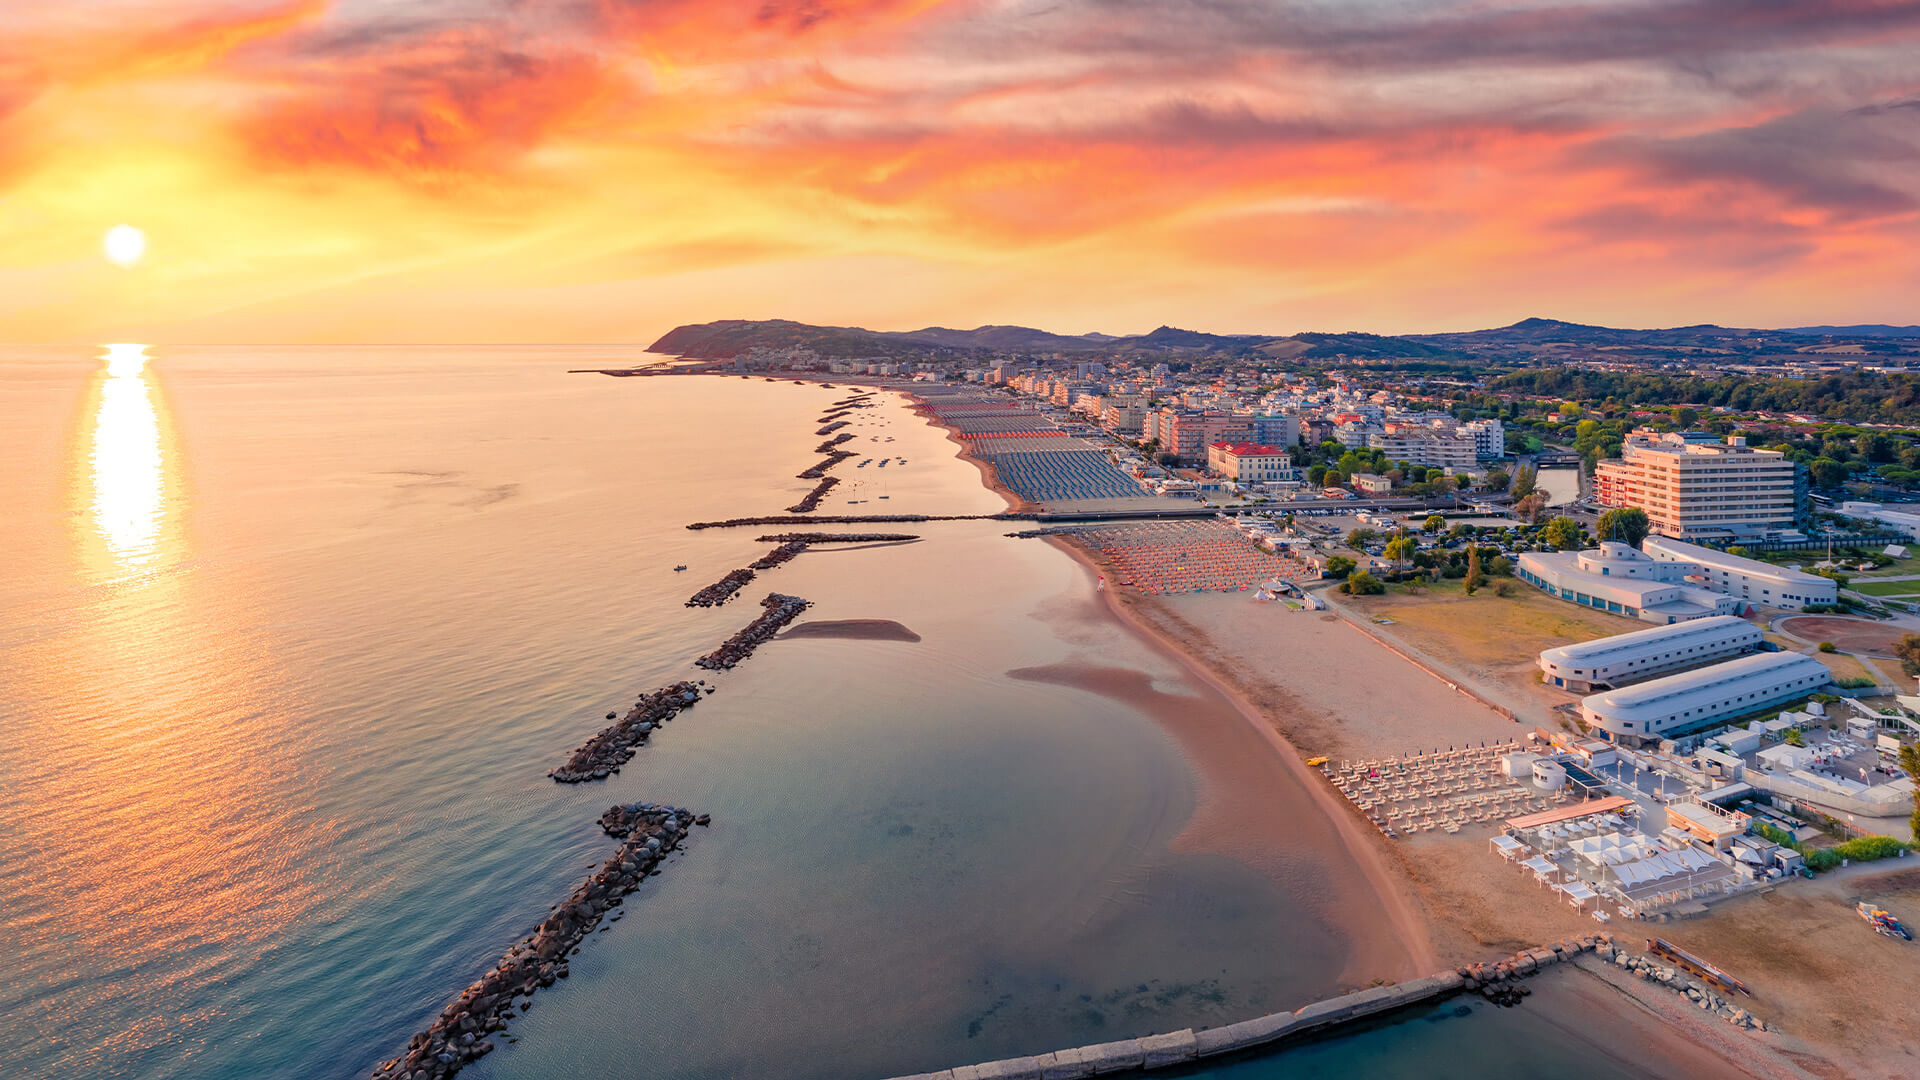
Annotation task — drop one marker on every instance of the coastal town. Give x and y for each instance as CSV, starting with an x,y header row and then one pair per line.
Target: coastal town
x,y
1678,670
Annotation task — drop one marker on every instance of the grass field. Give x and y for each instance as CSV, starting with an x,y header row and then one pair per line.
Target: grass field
x,y
1844,666
1886,588
1489,630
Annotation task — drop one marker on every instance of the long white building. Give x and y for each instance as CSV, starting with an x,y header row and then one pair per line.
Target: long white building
x,y
1903,520
1668,581
1614,577
1695,699
1748,579
1644,654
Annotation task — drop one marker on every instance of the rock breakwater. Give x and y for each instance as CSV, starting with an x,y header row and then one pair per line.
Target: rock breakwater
x,y
834,538
459,1035
827,447
834,457
811,501
828,429
851,519
721,591
778,611
784,553
602,755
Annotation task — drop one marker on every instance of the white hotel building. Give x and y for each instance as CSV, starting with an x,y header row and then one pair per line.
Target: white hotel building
x,y
1692,700
1693,490
1643,654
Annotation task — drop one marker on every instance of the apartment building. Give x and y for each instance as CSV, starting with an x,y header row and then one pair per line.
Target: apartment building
x,y
1695,490
1251,463
1189,434
1427,448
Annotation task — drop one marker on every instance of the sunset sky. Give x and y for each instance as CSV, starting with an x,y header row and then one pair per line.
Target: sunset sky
x,y
601,170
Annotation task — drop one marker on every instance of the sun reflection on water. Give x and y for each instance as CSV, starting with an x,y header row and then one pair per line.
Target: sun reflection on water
x,y
126,462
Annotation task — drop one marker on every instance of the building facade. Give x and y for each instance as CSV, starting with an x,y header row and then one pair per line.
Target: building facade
x,y
1427,448
1644,654
1692,700
1694,490
1745,579
1616,578
1251,463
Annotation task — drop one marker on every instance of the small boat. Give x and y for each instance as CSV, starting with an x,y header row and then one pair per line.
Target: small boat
x,y
679,568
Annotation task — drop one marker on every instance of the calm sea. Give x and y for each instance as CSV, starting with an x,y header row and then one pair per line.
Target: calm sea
x,y
289,638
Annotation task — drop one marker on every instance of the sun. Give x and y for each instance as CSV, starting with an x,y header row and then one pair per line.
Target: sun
x,y
124,245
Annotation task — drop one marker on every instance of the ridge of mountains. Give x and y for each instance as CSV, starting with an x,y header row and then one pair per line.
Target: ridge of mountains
x,y
727,338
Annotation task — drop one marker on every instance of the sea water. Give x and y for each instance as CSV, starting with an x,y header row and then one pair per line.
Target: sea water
x,y
290,636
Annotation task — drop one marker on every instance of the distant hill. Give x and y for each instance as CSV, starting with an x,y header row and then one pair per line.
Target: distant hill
x,y
731,337
1527,342
1865,330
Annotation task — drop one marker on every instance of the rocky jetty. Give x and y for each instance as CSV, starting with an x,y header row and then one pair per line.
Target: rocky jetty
x,y
603,754
833,458
812,500
833,538
779,611
850,519
828,429
721,591
827,447
783,553
1499,982
459,1035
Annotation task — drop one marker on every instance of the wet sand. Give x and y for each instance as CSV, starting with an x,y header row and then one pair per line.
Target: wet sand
x,y
1257,791
853,630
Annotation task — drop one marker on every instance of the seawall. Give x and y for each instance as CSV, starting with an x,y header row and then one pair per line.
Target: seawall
x,y
1187,1045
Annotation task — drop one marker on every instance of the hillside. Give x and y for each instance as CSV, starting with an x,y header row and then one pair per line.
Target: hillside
x,y
1526,343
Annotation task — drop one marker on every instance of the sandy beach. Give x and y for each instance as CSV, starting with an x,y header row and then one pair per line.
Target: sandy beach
x,y
1294,684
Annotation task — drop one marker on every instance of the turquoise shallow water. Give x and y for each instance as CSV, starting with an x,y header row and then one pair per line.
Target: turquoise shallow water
x,y
290,638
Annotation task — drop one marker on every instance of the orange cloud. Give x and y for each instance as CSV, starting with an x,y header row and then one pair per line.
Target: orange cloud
x,y
1252,160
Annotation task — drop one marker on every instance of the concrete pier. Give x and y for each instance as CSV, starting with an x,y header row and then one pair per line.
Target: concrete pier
x,y
1187,1045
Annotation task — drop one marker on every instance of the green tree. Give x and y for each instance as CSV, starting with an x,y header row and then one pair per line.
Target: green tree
x,y
1626,523
1525,479
1685,417
1316,474
1874,446
1571,410
1827,472
1474,577
1361,583
1497,480
1530,508
1908,650
1910,761
1333,478
1361,537
1434,523
1401,548
1563,533
1340,566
